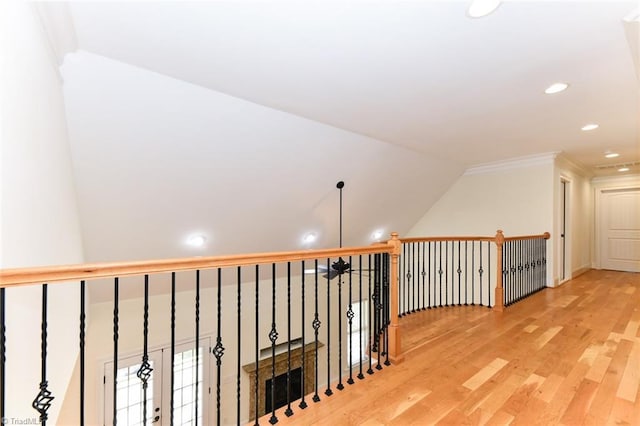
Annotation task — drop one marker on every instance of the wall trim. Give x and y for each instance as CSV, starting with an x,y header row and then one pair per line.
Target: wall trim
x,y
513,163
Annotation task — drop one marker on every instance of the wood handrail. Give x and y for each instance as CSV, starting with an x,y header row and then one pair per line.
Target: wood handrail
x,y
426,239
546,236
53,274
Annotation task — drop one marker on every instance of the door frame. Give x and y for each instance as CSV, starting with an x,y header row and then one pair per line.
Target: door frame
x,y
564,220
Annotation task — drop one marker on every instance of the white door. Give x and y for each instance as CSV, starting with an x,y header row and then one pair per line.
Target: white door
x,y
620,230
191,384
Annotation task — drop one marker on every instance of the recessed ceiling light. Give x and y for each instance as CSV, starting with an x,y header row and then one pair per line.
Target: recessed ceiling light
x,y
611,155
623,169
377,235
556,88
309,238
197,240
480,8
588,127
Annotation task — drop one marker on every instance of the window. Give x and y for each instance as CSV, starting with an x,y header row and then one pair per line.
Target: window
x,y
130,394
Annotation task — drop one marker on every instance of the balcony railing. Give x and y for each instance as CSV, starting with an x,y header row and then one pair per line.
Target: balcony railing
x,y
233,338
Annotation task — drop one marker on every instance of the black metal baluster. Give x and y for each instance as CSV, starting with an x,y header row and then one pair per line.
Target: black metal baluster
x,y
340,386
82,349
197,307
218,349
350,316
473,272
145,370
488,274
256,398
418,276
303,403
480,272
446,273
423,273
3,351
43,400
288,412
273,336
316,325
413,278
378,301
386,305
466,274
520,270
429,274
239,360
116,285
404,279
440,271
173,343
360,375
459,274
328,391
370,317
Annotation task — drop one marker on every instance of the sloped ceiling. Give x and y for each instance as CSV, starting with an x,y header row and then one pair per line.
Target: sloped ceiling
x,y
236,119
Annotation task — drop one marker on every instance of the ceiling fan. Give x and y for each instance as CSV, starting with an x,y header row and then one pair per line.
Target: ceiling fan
x,y
338,267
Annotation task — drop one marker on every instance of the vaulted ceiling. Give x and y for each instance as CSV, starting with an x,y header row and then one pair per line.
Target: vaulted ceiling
x,y
236,119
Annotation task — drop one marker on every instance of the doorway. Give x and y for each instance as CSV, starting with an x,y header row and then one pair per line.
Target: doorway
x,y
564,246
619,229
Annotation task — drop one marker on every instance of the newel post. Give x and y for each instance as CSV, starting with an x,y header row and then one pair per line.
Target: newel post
x,y
395,346
499,306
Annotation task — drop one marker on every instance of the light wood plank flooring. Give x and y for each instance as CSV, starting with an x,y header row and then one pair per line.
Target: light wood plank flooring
x,y
569,355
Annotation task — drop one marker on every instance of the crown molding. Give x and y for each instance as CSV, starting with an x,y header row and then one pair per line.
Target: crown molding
x,y
513,163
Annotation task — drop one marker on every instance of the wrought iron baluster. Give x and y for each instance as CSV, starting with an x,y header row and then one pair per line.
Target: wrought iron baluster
x,y
239,337
378,301
82,349
328,391
145,370
459,275
303,404
370,317
488,274
429,274
256,396
340,386
288,412
197,349
360,375
3,350
43,400
440,271
480,272
446,273
473,273
115,349
273,336
466,274
423,274
218,349
404,279
173,344
413,277
386,305
316,325
350,316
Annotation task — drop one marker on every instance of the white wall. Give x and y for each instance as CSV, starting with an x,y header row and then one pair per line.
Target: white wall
x,y
39,223
515,197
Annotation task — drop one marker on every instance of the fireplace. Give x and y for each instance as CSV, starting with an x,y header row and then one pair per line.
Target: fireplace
x,y
264,378
280,389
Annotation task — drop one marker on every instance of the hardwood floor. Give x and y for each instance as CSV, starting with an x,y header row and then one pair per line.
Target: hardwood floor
x,y
569,355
